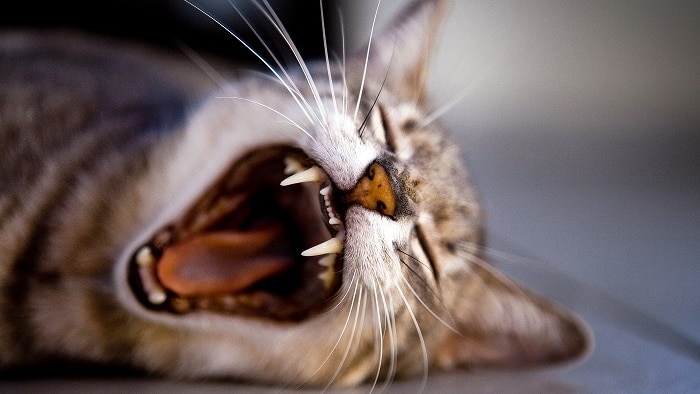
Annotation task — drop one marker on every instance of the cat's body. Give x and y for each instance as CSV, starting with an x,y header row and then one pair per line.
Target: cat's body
x,y
119,178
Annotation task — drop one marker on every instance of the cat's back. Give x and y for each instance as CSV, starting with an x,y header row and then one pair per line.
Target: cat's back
x,y
77,116
60,90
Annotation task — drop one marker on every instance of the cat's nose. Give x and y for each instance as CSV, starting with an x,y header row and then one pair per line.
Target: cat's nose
x,y
374,191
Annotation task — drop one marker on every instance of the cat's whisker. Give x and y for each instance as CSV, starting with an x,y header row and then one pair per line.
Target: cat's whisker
x,y
271,15
514,259
290,121
456,99
451,327
287,84
353,331
204,65
352,285
343,65
390,315
296,92
379,334
476,260
421,339
364,71
328,63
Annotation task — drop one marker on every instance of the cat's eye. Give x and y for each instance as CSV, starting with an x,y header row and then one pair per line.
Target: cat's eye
x,y
424,243
389,132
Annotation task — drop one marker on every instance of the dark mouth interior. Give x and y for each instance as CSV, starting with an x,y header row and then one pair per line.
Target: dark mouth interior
x,y
237,251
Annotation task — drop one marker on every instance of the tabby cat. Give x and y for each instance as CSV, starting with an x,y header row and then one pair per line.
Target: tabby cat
x,y
308,227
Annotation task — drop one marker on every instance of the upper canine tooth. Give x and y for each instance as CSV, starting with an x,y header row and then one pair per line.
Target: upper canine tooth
x,y
313,174
333,245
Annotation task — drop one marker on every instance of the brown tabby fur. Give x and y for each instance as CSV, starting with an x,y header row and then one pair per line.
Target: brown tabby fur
x,y
103,145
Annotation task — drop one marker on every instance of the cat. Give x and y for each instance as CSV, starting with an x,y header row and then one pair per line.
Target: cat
x,y
307,227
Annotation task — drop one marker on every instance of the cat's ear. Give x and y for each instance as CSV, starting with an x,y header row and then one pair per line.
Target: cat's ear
x,y
402,51
501,324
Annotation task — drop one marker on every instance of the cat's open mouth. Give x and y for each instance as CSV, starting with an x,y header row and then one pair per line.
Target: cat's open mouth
x,y
238,249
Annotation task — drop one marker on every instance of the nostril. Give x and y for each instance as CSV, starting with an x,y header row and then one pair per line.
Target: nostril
x,y
374,191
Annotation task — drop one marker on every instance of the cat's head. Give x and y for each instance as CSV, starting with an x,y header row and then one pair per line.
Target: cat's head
x,y
227,280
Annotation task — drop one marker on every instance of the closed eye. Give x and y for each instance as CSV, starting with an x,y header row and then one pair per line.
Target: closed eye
x,y
389,132
424,243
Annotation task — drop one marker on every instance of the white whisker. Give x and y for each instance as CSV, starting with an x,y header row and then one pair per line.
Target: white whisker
x,y
352,333
289,121
420,337
267,64
328,63
277,24
429,309
390,314
204,65
343,65
364,71
379,335
456,99
289,82
352,282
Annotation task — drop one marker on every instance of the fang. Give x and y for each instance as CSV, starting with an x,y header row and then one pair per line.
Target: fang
x,y
333,245
313,174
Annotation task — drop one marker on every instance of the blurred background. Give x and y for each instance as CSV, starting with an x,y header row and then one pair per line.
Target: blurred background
x,y
580,123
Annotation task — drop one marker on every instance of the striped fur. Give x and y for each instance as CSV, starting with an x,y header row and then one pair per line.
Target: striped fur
x,y
103,145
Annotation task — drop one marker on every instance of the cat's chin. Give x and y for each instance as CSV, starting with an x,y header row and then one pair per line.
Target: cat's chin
x,y
238,249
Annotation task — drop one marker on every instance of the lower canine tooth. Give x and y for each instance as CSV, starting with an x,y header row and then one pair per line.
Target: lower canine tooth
x,y
333,245
334,221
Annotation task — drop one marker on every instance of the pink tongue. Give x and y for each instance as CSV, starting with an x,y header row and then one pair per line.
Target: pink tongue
x,y
221,262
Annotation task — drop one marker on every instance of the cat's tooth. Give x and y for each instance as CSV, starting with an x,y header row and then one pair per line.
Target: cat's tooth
x,y
292,166
313,174
333,245
324,192
327,278
228,302
156,295
327,260
181,305
334,221
154,291
144,257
